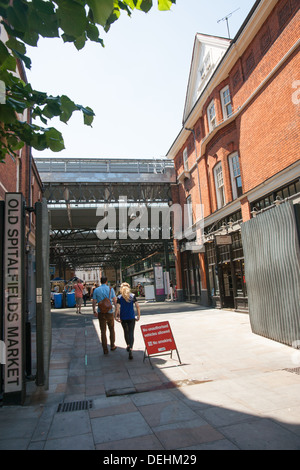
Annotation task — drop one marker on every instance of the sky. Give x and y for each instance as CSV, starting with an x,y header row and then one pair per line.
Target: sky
x,y
136,84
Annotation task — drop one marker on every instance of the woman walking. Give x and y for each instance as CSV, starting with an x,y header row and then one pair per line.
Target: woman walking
x,y
125,314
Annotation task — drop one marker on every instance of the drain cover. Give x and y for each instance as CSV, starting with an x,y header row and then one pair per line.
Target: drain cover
x,y
296,370
152,388
75,406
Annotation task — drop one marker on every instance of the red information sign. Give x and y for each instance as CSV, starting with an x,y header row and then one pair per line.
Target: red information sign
x,y
158,338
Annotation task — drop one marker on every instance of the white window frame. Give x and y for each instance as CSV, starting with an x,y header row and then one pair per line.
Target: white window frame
x,y
212,120
219,185
235,172
226,113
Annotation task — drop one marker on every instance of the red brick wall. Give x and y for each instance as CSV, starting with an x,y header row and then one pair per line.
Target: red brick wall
x,y
7,176
269,131
266,132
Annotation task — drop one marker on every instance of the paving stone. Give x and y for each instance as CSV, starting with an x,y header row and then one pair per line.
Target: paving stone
x,y
149,442
118,427
76,442
166,412
186,434
261,434
67,424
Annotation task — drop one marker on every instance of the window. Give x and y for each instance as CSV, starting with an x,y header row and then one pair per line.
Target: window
x,y
205,66
185,160
291,189
226,102
219,183
235,173
211,115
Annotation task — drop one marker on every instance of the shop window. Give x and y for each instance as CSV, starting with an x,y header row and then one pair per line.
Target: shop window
x,y
235,217
237,247
235,174
239,270
283,193
224,253
226,102
219,184
211,115
212,269
213,280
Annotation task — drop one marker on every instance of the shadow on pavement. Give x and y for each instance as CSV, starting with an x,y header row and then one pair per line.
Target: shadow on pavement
x,y
234,396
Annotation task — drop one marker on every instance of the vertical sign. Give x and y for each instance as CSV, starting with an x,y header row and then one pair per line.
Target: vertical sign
x,y
13,294
159,280
2,344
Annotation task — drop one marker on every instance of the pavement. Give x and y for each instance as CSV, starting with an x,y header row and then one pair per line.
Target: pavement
x,y
232,390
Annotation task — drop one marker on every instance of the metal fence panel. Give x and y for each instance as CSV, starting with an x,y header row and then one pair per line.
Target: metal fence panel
x,y
272,269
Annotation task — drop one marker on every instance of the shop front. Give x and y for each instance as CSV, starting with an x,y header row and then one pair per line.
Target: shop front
x,y
191,277
226,271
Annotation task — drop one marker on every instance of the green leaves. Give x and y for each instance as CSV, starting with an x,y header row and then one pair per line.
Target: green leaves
x,y
15,131
72,18
53,140
144,5
76,21
42,18
101,11
164,5
17,15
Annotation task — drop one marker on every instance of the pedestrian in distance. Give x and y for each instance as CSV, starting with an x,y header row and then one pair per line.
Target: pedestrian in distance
x,y
78,286
106,317
171,292
93,288
85,294
125,314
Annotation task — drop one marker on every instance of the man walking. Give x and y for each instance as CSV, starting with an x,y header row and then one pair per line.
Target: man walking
x,y
78,295
100,293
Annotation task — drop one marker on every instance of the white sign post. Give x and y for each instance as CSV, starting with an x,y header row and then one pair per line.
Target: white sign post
x,y
13,320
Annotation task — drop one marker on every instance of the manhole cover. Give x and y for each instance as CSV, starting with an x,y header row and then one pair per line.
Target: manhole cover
x,y
75,406
296,370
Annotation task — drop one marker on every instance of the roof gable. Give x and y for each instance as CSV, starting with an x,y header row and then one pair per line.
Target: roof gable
x,y
207,53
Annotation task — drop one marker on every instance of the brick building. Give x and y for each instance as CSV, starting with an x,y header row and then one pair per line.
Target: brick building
x,y
238,150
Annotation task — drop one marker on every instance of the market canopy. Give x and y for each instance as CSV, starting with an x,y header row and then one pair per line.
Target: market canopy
x,y
78,190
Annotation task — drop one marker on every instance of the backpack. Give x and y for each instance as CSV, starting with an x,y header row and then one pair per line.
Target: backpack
x,y
105,305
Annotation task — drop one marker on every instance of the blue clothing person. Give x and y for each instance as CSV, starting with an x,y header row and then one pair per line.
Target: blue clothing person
x,y
125,314
105,319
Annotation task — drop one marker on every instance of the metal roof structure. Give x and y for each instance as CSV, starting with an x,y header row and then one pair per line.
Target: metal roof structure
x,y
81,191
